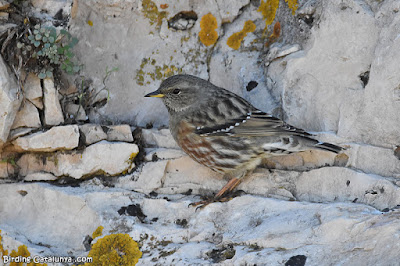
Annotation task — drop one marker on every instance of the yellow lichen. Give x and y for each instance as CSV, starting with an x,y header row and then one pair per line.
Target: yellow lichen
x,y
98,232
208,34
157,72
293,5
22,251
235,39
115,249
268,10
2,250
151,12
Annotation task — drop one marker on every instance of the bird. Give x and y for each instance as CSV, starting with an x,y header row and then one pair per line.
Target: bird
x,y
222,131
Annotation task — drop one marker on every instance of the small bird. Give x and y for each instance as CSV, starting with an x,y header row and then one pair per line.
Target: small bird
x,y
222,131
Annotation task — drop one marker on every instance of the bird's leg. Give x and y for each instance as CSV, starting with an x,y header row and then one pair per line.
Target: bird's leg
x,y
229,187
220,196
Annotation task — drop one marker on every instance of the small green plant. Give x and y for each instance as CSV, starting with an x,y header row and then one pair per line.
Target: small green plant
x,y
52,48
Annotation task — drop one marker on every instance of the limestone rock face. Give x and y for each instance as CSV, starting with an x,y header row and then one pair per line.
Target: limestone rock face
x,y
53,114
26,208
27,116
92,133
56,138
333,71
119,133
102,158
9,101
33,90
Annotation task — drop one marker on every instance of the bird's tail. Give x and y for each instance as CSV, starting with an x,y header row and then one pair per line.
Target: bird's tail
x,y
329,147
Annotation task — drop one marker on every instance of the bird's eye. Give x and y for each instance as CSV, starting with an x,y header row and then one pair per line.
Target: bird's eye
x,y
176,91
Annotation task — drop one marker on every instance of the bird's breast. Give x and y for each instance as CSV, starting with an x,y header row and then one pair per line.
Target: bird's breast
x,y
221,154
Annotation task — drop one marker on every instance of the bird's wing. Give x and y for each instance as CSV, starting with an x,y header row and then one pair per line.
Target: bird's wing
x,y
253,124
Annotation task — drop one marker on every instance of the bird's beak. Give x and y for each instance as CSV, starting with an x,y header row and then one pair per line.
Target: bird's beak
x,y
155,94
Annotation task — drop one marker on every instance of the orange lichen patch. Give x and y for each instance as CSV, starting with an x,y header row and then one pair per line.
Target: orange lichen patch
x,y
268,10
235,39
115,249
90,23
293,5
98,232
208,35
277,30
164,6
275,34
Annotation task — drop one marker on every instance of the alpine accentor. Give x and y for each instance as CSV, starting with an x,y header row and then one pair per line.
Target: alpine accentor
x,y
224,132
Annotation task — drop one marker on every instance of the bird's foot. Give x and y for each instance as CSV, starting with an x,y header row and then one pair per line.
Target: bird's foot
x,y
203,203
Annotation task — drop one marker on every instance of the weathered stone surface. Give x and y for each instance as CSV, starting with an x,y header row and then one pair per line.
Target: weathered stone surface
x,y
40,176
43,214
92,133
56,138
18,132
27,116
119,133
102,158
33,90
159,138
374,160
53,114
6,168
9,101
76,112
162,154
251,229
51,6
150,178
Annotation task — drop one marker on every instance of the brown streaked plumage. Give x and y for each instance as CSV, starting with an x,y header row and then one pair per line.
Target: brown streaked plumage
x,y
224,132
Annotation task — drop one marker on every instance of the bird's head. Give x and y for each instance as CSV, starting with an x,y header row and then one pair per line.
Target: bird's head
x,y
181,92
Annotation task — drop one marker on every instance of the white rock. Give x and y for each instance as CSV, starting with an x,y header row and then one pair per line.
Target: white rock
x,y
43,214
374,160
76,112
6,168
163,154
92,133
40,176
149,179
341,184
52,109
102,157
51,6
38,163
183,174
27,116
373,116
33,90
56,138
159,138
9,101
119,133
18,132
229,10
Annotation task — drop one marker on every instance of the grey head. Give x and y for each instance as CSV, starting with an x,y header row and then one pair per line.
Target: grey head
x,y
181,92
